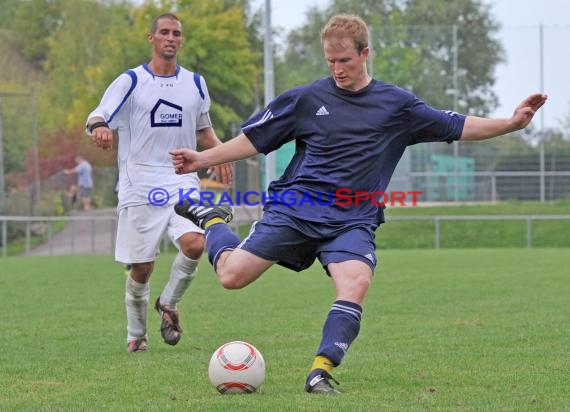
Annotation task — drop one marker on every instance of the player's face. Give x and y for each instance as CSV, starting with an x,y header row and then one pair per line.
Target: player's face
x,y
347,66
167,39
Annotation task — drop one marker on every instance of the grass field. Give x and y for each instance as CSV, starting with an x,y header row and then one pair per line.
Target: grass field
x,y
447,330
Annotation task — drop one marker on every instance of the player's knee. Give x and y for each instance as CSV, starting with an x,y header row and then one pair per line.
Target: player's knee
x,y
362,283
355,286
141,272
193,247
230,279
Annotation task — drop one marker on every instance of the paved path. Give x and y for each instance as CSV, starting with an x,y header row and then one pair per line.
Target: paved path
x,y
93,233
86,233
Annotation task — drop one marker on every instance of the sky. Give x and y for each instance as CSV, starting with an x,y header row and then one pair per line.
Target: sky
x,y
521,75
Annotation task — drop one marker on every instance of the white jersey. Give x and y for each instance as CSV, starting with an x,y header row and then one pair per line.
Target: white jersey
x,y
153,114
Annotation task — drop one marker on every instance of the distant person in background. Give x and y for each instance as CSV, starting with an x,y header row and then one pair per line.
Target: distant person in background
x,y
84,173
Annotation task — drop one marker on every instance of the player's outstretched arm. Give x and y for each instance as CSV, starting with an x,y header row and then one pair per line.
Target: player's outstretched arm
x,y
187,161
480,128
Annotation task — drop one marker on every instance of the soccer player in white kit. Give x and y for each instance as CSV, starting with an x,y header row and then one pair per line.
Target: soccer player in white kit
x,y
155,107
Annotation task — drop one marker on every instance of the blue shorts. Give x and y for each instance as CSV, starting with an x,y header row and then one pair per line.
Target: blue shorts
x,y
296,250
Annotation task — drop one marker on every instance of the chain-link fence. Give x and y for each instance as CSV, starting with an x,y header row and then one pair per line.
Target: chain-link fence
x,y
57,195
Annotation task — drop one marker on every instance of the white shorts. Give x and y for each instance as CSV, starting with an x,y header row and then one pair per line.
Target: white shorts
x,y
141,228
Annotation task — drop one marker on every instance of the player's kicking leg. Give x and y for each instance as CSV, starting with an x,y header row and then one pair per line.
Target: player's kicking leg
x,y
235,267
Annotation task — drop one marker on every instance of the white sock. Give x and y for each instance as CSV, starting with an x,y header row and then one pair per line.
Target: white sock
x,y
182,273
136,302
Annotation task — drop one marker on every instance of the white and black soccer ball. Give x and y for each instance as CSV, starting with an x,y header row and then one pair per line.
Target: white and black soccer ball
x,y
237,367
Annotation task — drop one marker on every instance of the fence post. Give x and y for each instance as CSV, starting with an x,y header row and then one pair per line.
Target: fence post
x,y
4,238
50,235
529,231
113,236
437,229
72,237
93,236
28,236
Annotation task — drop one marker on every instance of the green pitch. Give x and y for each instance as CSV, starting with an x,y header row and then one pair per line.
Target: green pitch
x,y
466,330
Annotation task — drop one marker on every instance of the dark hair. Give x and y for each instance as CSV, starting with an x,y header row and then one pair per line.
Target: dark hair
x,y
154,25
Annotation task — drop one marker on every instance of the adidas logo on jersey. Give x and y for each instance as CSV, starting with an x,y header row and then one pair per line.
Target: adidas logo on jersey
x,y
322,111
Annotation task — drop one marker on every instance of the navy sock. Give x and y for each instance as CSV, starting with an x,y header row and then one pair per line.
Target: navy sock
x,y
219,237
340,330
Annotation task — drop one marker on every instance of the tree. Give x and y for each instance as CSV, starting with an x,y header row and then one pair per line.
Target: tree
x,y
224,56
8,8
478,52
76,46
33,24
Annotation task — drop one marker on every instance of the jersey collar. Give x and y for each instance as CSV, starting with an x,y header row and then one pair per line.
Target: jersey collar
x,y
145,66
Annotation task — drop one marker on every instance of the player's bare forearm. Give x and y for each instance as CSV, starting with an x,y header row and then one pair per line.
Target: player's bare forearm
x,y
101,136
480,128
207,138
187,161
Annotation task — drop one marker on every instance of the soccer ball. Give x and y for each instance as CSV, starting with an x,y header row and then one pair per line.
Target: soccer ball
x,y
237,367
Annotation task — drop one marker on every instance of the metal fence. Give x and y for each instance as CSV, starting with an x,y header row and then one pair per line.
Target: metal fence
x,y
61,235
438,220
95,234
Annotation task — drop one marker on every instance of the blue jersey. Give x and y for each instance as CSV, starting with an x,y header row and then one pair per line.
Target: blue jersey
x,y
346,142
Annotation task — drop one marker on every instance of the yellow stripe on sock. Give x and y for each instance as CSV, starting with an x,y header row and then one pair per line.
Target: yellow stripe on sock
x,y
322,362
213,221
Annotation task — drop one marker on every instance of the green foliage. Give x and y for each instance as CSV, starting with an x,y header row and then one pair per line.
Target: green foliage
x,y
8,8
303,60
17,127
57,204
223,56
77,46
478,52
468,330
34,23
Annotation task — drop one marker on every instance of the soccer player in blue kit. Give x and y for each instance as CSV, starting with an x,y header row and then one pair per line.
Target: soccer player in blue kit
x,y
350,131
